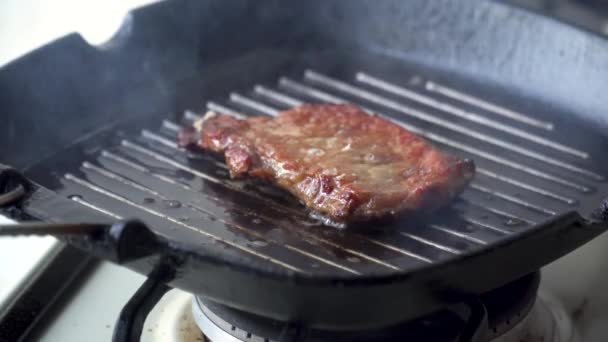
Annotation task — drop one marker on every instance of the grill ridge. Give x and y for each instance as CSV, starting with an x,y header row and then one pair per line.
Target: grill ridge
x,y
133,165
324,96
471,116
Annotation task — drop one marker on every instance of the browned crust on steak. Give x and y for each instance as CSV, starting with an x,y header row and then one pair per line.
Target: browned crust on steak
x,y
338,160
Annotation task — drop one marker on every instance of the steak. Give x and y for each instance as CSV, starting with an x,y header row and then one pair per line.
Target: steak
x,y
345,164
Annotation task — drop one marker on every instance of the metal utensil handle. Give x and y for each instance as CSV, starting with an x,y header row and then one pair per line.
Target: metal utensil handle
x,y
119,242
42,228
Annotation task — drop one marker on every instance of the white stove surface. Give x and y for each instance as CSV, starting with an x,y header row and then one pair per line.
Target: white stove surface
x,y
26,254
94,308
29,24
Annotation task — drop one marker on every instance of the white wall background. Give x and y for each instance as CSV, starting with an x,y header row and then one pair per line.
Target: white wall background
x,y
28,24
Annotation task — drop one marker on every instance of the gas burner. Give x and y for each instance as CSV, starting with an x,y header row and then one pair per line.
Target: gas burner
x,y
220,324
514,313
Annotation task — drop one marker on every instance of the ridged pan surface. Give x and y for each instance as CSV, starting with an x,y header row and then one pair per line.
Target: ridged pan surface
x,y
531,166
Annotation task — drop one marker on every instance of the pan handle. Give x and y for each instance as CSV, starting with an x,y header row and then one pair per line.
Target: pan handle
x,y
13,186
119,242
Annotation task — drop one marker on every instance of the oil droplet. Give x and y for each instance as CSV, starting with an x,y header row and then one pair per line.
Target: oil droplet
x,y
149,200
256,221
514,222
184,219
353,259
75,197
468,228
259,243
415,80
173,204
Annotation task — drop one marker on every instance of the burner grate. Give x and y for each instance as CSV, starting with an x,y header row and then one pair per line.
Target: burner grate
x,y
509,310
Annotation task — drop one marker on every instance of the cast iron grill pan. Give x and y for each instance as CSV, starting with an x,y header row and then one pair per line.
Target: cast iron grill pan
x,y
250,246
527,176
523,180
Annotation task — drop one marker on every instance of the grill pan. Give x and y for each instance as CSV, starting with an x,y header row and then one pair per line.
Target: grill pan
x,y
480,80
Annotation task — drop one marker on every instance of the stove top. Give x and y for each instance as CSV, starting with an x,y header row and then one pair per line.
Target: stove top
x,y
545,321
501,312
179,316
174,318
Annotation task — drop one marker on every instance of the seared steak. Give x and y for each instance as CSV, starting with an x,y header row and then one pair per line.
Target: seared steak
x,y
345,164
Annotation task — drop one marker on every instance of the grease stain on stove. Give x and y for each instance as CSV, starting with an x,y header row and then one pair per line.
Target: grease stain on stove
x,y
579,312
